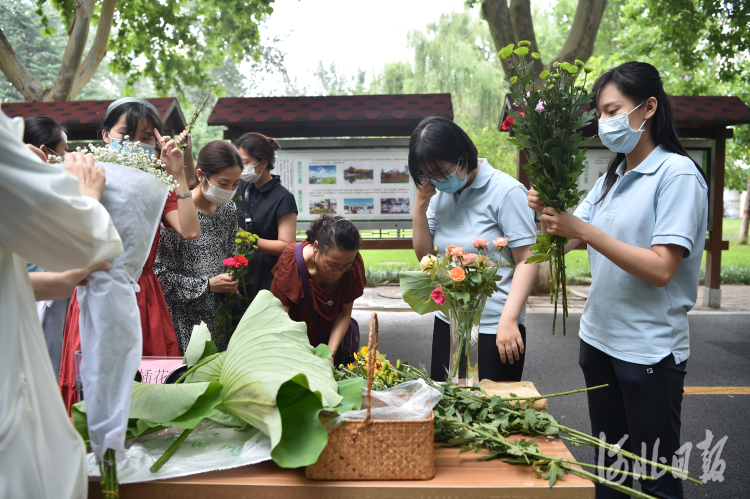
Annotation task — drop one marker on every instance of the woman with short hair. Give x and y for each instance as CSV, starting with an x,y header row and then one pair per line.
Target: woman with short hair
x,y
461,197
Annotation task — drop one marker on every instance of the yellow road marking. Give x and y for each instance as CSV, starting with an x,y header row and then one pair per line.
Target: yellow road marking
x,y
717,390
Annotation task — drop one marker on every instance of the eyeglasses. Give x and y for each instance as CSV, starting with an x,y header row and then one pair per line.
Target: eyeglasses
x,y
423,178
336,269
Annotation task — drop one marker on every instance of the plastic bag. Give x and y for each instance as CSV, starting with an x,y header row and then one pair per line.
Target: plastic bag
x,y
210,447
410,400
109,320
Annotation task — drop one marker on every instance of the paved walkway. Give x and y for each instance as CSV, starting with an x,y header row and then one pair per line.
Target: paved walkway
x,y
735,298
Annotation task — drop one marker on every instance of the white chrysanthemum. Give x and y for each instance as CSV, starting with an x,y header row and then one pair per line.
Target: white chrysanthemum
x,y
134,157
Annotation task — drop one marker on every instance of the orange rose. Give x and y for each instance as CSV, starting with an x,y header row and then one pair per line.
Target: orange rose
x,y
458,274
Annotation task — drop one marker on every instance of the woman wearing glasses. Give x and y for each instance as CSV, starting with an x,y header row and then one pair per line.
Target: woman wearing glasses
x,y
459,198
335,273
267,209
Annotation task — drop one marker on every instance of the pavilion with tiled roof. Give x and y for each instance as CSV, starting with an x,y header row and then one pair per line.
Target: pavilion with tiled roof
x,y
696,117
83,118
330,116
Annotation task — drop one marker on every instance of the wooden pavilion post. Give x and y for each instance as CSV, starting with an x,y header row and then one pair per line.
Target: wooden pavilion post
x,y
714,245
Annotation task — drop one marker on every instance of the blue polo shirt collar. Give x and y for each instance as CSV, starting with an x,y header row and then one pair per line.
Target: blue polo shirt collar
x,y
650,165
483,175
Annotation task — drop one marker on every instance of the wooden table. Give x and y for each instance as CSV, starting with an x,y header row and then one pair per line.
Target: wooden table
x,y
455,477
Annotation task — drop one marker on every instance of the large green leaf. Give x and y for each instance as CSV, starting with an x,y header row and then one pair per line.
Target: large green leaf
x,y
417,288
266,350
200,345
303,437
156,406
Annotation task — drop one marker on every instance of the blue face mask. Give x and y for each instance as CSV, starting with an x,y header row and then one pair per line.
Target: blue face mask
x,y
452,184
616,134
126,145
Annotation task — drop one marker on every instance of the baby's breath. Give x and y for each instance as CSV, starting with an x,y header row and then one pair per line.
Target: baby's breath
x,y
134,157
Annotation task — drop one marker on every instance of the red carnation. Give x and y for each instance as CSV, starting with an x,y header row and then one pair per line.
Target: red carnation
x,y
240,261
507,123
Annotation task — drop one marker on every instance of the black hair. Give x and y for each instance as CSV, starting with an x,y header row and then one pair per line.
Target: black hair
x,y
333,231
42,131
640,81
259,146
217,156
134,113
438,141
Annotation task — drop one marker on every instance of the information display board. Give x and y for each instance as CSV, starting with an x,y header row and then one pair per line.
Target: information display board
x,y
597,159
359,184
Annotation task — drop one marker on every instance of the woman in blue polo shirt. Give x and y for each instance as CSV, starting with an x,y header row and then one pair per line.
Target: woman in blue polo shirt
x,y
461,197
645,226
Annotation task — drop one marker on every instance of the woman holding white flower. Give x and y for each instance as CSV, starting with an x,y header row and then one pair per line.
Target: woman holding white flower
x,y
132,122
462,203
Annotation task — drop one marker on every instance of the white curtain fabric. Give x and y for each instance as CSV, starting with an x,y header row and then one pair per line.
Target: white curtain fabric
x,y
110,322
44,220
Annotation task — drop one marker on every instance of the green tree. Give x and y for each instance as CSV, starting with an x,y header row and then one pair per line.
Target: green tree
x,y
173,43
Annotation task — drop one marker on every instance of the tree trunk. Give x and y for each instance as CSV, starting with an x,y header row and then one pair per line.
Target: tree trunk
x,y
71,60
511,25
17,73
98,48
745,217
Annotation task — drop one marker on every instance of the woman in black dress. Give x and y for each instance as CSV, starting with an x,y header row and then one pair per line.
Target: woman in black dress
x,y
266,209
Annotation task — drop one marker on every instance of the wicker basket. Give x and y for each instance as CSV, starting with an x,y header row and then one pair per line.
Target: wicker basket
x,y
377,450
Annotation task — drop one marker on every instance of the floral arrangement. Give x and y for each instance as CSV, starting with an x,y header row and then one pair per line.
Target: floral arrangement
x,y
236,266
134,157
385,373
460,276
458,284
548,127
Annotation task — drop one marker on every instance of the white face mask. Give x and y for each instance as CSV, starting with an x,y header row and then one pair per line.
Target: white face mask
x,y
217,194
616,134
126,145
249,175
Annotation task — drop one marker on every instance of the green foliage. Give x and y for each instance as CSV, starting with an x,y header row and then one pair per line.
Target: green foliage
x,y
23,27
176,43
416,288
549,129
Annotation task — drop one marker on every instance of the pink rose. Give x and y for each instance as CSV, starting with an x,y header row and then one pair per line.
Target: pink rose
x,y
500,242
438,296
458,251
470,258
480,243
229,262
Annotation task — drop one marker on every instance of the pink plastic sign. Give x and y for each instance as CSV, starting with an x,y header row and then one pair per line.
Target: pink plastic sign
x,y
155,370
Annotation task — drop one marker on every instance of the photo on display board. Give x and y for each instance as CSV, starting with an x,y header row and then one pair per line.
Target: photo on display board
x,y
394,206
358,206
395,176
358,175
319,206
322,174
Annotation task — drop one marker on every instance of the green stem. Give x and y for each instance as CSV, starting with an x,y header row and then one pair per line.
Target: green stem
x,y
172,448
554,394
197,366
108,472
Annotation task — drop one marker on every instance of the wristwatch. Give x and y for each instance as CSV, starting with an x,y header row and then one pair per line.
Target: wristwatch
x,y
188,194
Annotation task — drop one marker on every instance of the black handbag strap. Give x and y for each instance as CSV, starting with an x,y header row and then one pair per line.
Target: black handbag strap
x,y
302,269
